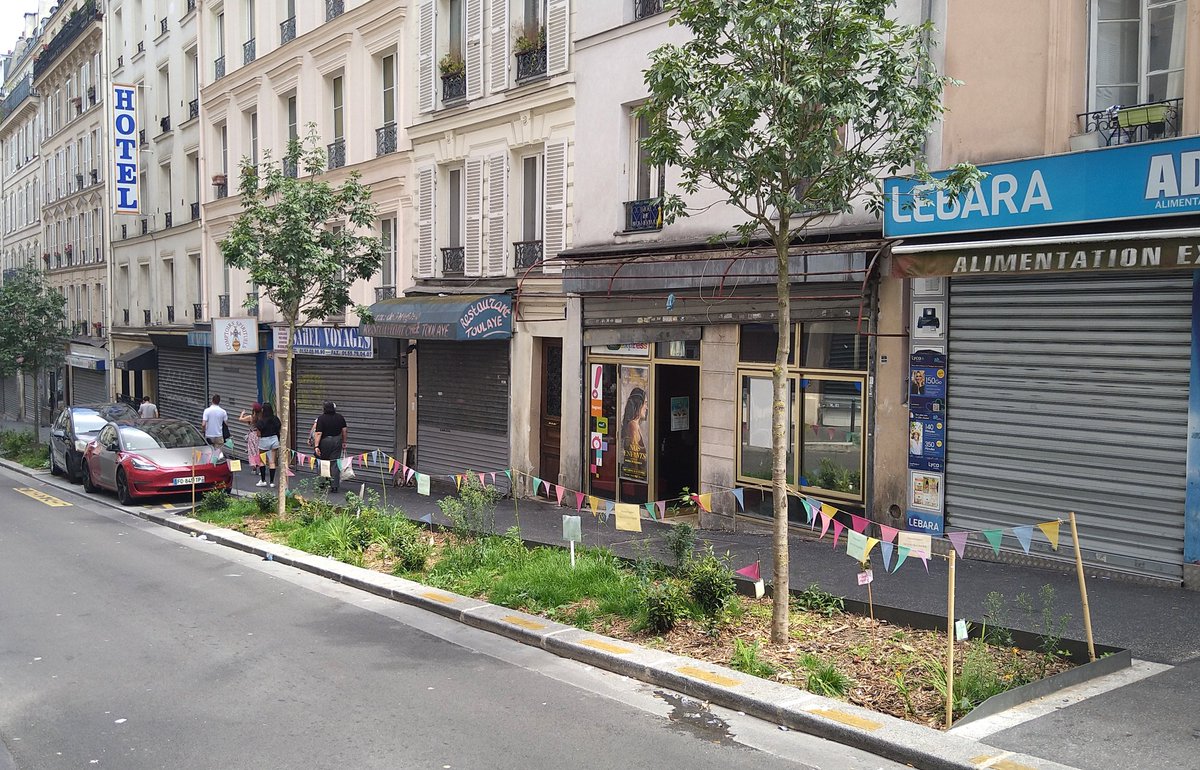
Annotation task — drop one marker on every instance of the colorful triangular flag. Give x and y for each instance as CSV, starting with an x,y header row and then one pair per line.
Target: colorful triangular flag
x,y
537,483
902,552
1024,536
705,502
837,531
824,524
885,549
579,497
751,571
650,509
662,508
887,534
594,504
959,540
858,524
427,518
994,536
1050,530
558,494
483,479
739,495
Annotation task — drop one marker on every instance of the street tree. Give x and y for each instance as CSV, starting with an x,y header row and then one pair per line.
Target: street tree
x,y
792,111
299,237
33,336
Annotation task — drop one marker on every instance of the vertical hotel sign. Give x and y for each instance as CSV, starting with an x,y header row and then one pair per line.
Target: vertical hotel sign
x,y
125,150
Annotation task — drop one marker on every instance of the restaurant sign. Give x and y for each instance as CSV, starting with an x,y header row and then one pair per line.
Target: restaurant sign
x,y
1112,256
462,318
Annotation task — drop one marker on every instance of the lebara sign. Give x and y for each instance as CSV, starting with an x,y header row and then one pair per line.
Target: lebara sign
x,y
125,146
1151,179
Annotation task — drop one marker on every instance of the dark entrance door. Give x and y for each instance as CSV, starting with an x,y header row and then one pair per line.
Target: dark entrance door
x,y
677,429
551,428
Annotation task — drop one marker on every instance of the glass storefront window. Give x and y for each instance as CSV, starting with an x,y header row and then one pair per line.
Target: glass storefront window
x,y
688,350
757,343
833,345
619,433
755,440
831,436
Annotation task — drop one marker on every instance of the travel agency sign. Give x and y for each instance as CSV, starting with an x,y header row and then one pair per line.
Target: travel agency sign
x,y
126,195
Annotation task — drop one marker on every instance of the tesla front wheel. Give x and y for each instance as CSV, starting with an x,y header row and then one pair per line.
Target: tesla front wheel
x,y
123,493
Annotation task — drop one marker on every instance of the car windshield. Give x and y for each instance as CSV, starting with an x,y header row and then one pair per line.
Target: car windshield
x,y
88,422
164,435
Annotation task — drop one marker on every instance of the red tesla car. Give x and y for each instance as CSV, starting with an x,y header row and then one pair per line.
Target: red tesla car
x,y
141,458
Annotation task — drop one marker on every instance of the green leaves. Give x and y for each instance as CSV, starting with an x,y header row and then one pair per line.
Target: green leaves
x,y
33,335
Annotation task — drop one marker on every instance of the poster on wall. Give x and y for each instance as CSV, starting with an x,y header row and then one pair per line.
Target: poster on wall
x,y
926,437
234,336
681,413
926,490
927,383
926,443
635,414
928,320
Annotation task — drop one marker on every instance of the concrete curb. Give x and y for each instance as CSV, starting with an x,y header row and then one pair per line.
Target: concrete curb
x,y
834,720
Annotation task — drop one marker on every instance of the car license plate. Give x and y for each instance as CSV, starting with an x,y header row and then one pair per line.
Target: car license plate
x,y
187,480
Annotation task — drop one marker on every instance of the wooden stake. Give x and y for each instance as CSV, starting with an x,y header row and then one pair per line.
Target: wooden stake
x,y
572,554
870,603
1087,611
950,645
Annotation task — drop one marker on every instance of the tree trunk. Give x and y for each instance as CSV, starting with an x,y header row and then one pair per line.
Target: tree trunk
x,y
285,419
780,436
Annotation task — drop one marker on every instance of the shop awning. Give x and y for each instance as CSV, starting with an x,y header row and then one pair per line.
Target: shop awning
x,y
138,359
464,318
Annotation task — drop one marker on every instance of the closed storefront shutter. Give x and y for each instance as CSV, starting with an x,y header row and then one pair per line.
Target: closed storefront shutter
x,y
462,407
365,393
12,397
88,386
182,390
1071,394
235,378
30,396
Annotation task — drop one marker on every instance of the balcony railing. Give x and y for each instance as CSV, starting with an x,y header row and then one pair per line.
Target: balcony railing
x,y
195,211
165,124
248,51
527,253
223,305
384,292
643,215
193,109
454,88
141,47
120,61
124,232
170,314
337,153
334,9
1135,123
221,190
168,219
125,316
162,26
289,168
454,260
145,318
287,30
191,6
385,140
531,64
77,23
197,309
645,8
20,92
252,303
142,137
219,68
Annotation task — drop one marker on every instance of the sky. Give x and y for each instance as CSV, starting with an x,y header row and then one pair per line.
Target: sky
x,y
12,18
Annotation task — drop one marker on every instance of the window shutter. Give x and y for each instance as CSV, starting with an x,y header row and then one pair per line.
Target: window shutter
x,y
425,231
426,69
554,206
473,248
499,55
474,52
558,36
497,236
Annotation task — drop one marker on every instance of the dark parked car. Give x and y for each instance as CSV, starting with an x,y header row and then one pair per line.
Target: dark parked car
x,y
141,458
75,428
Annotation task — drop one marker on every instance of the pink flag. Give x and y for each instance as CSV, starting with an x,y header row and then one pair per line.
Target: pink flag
x,y
559,494
959,539
888,533
824,524
493,478
290,473
858,523
409,474
579,496
751,571
837,531
662,508
483,479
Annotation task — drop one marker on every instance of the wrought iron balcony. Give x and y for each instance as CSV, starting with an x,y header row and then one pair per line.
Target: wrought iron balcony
x,y
337,153
76,25
643,215
384,292
289,168
168,219
145,225
218,68
83,328
223,305
141,48
531,64
252,303
221,190
454,260
191,6
527,253
334,9
170,314
142,137
193,109
162,26
287,30
20,92
125,316
145,318
124,232
454,88
165,123
1135,123
197,309
385,140
645,8
195,211
248,51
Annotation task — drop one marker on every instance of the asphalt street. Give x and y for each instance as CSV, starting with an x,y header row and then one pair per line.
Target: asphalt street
x,y
128,645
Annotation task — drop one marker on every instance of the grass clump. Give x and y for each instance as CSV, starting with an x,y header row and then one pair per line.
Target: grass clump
x,y
813,599
746,659
666,605
824,678
22,446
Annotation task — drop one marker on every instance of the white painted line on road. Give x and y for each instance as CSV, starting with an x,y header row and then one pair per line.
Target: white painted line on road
x,y
1048,704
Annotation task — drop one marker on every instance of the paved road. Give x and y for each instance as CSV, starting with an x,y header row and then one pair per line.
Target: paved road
x,y
128,645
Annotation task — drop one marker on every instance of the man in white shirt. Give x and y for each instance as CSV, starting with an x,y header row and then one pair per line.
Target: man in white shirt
x,y
147,409
213,422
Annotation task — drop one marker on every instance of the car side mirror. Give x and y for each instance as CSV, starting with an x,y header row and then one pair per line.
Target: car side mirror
x,y
58,433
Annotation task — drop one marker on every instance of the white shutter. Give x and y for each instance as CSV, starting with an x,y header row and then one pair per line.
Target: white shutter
x,y
558,36
497,236
473,249
426,66
554,206
499,55
474,54
425,232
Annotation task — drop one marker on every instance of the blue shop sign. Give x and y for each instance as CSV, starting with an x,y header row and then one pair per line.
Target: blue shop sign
x,y
1133,181
336,341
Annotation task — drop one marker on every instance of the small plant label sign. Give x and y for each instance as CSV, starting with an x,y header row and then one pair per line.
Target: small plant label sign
x,y
865,577
960,630
572,530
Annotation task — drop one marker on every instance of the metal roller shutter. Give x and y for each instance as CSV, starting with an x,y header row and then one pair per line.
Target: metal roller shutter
x,y
1071,394
235,378
12,397
365,393
462,407
30,396
88,386
182,389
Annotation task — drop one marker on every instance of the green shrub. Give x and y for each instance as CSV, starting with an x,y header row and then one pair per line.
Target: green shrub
x,y
265,502
745,659
681,540
403,541
472,511
665,606
213,501
813,599
710,583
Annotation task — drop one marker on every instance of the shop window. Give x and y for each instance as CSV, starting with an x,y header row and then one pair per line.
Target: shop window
x,y
831,435
755,451
833,345
686,350
757,343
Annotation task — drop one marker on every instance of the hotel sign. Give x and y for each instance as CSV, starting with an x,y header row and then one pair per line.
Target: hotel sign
x,y
126,195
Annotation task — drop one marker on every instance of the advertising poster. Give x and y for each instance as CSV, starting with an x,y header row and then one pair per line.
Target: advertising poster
x,y
635,413
681,413
927,383
926,443
926,490
928,320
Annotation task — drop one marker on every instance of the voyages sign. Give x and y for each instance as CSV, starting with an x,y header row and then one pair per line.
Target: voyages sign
x,y
126,195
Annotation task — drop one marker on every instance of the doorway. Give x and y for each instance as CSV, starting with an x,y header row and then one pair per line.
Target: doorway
x,y
677,429
550,432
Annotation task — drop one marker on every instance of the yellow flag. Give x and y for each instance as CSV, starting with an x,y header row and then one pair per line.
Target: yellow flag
x,y
828,510
593,503
704,501
391,464
1050,529
871,543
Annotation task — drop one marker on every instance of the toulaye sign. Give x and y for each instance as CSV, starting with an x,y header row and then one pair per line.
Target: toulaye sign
x,y
1130,181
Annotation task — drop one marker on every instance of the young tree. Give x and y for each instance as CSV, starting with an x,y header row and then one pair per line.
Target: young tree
x,y
33,336
792,110
298,239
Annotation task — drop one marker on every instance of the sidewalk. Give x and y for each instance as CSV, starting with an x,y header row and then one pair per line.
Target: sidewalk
x,y
7,423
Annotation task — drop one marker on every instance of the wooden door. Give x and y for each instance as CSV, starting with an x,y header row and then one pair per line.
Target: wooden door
x,y
550,433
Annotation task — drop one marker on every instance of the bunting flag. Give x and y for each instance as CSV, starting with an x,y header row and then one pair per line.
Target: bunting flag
x,y
750,571
705,502
579,496
808,512
661,505
594,504
537,483
427,518
493,478
610,506
650,510
422,484
1024,536
871,543
994,536
828,510
925,561
856,545
362,459
290,472
408,474
1050,530
458,482
837,531
888,533
739,495
375,456
262,458
558,495
885,548
858,524
483,479
959,541
901,555
824,525
391,465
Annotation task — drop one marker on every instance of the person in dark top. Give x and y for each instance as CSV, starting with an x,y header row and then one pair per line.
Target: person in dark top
x,y
268,437
330,440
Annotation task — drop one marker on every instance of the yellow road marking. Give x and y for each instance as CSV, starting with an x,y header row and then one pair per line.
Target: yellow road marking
x,y
708,676
439,597
600,644
847,718
986,760
168,506
42,497
523,622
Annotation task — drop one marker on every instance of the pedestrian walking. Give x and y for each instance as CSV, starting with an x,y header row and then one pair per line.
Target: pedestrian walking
x,y
147,410
269,427
253,449
214,422
330,439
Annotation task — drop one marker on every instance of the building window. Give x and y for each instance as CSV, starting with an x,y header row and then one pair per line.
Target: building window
x,y
456,27
254,138
389,89
1137,51
531,198
455,188
387,237
648,178
339,126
